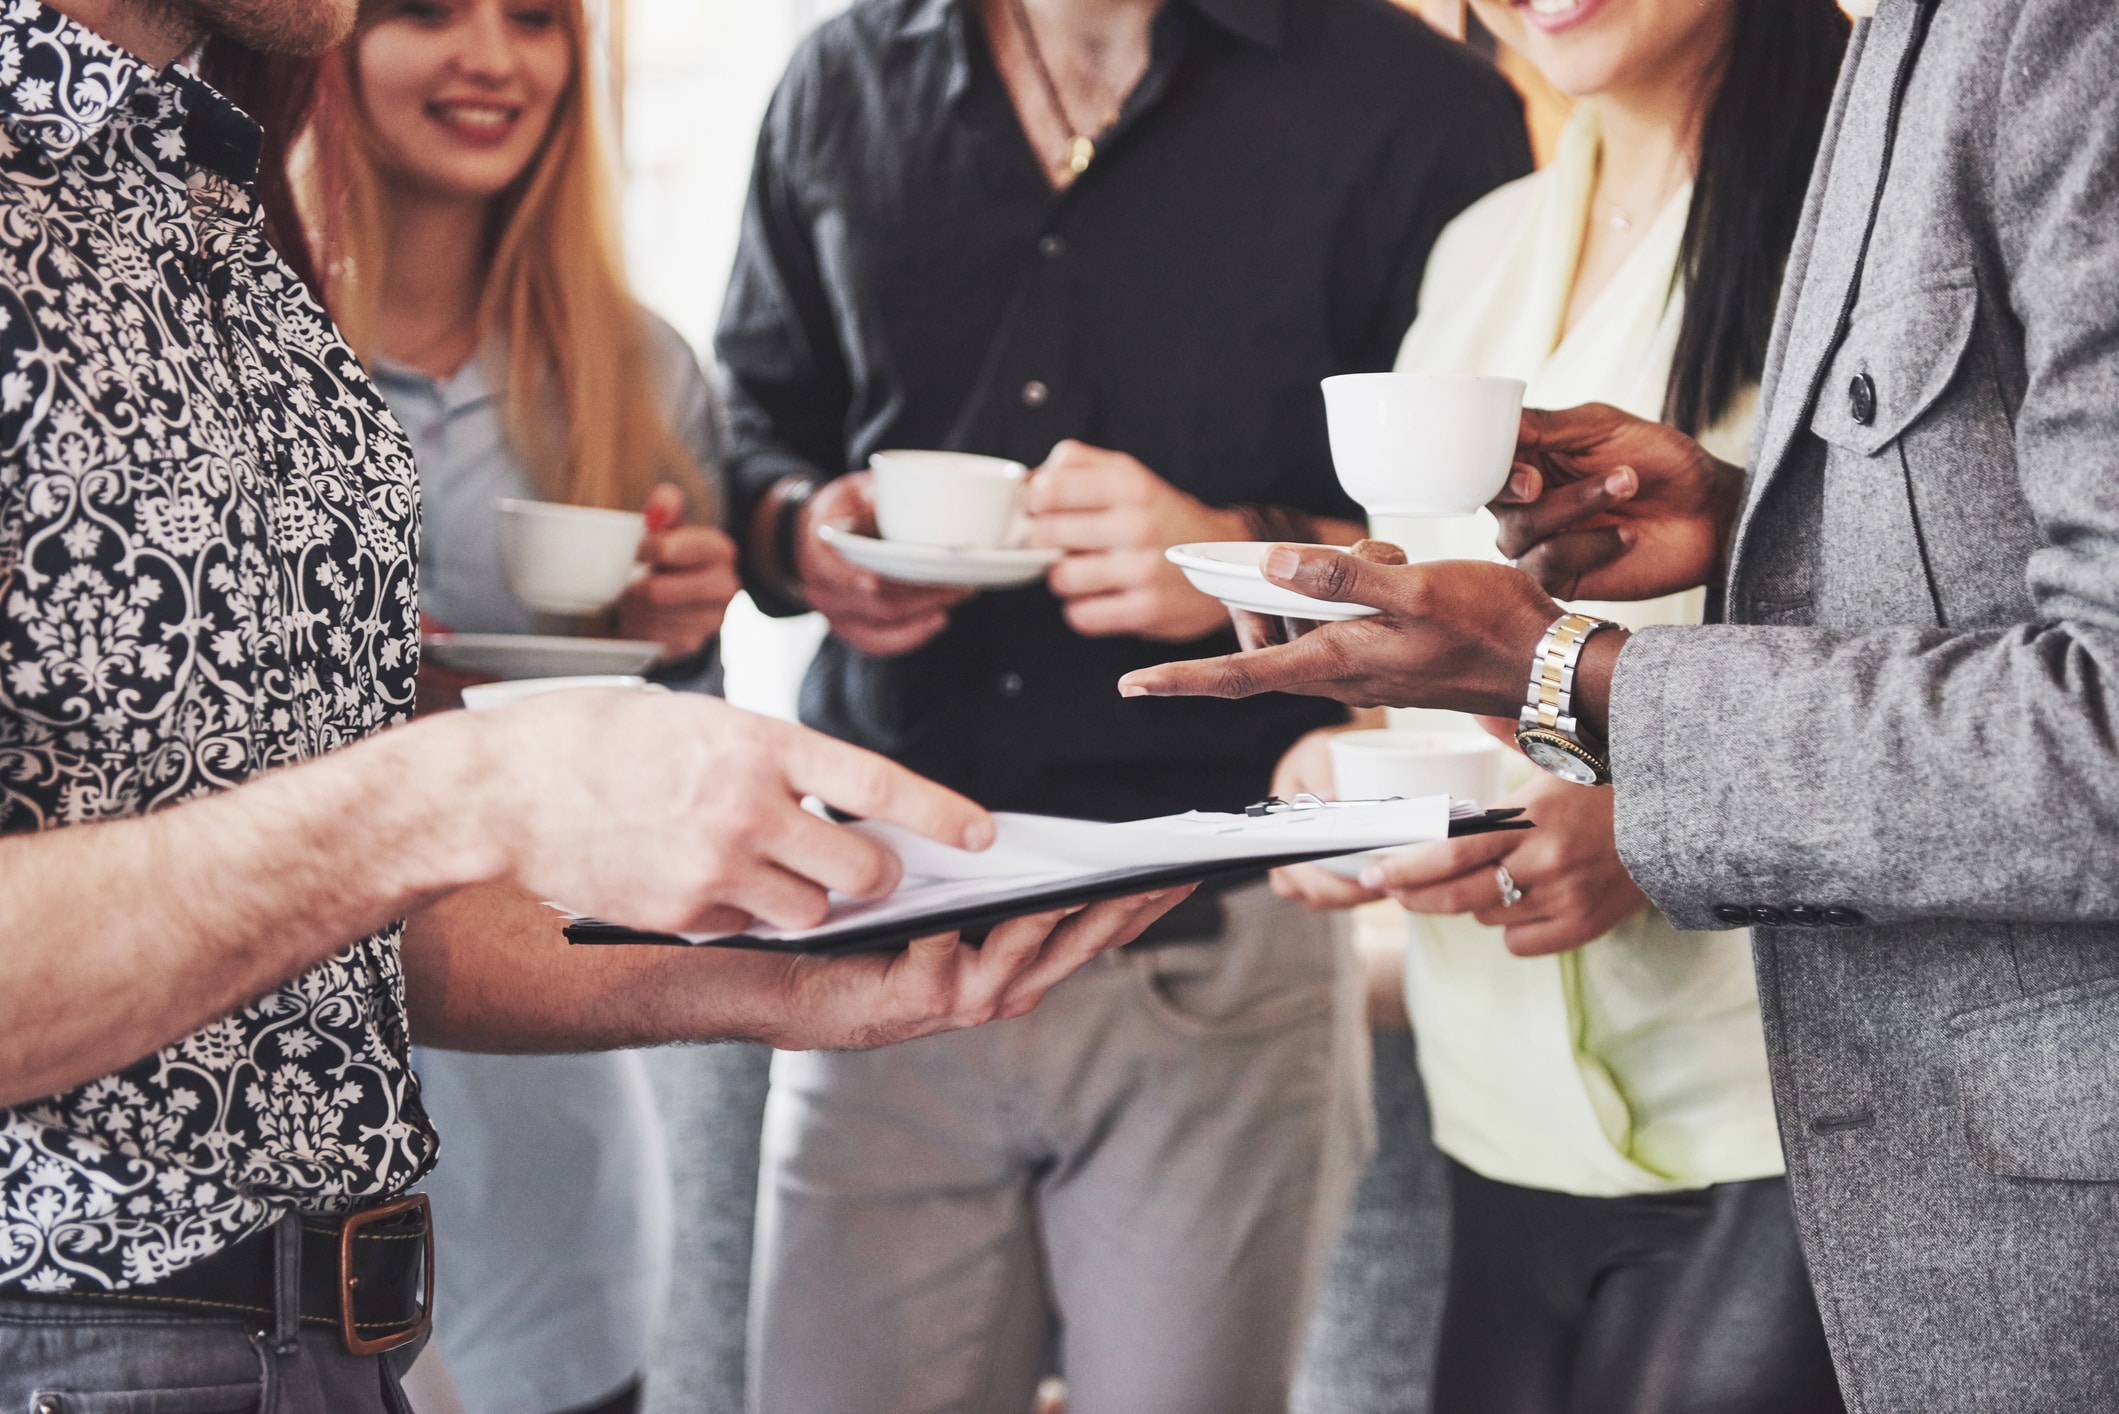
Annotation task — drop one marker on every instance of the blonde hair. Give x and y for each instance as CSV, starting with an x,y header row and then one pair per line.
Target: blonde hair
x,y
581,407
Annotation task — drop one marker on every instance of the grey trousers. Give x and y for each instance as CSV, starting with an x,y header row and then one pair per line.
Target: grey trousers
x,y
87,1360
1138,1185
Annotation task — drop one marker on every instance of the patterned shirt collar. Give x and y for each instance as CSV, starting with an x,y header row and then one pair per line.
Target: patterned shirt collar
x,y
41,49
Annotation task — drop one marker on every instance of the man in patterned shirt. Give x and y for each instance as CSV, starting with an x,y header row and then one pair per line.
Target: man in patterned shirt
x,y
207,619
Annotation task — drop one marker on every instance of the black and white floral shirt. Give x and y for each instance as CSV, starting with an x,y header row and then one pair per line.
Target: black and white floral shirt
x,y
207,522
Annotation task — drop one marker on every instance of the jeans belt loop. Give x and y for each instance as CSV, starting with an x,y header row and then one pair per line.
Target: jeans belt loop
x,y
287,1284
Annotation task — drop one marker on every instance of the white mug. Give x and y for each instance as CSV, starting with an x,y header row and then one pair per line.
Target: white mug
x,y
955,500
568,559
1422,444
1376,765
492,696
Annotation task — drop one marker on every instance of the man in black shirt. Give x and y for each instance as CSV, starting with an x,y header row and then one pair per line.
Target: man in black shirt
x,y
1121,241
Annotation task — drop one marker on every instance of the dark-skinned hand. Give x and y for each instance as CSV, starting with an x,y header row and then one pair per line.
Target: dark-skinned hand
x,y
1605,505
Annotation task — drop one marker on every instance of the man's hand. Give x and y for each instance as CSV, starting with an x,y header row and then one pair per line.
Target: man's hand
x,y
940,984
1457,634
1575,890
1605,505
681,600
678,813
880,617
1114,517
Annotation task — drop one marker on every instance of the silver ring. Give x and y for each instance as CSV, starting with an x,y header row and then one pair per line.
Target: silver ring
x,y
1510,894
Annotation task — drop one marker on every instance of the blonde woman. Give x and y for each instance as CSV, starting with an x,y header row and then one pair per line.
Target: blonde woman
x,y
456,188
1621,1235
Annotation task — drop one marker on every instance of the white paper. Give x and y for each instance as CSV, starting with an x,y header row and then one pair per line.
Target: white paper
x,y
1034,850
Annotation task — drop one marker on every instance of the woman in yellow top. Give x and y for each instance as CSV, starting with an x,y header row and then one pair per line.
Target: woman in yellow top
x,y
1621,1233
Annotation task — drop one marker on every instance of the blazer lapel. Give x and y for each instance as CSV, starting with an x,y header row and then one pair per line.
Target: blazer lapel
x,y
1822,264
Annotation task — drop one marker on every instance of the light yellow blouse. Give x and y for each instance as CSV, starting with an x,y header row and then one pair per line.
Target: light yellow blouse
x,y
1635,1064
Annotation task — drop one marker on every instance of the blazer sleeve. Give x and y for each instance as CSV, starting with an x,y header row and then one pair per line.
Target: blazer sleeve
x,y
1923,773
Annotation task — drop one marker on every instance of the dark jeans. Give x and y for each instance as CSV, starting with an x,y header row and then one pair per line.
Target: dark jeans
x,y
1671,1303
90,1360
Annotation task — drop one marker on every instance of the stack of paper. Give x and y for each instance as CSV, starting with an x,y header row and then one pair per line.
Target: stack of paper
x,y
1041,861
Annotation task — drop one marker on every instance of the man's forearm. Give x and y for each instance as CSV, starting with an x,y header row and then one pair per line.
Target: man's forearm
x,y
489,969
117,939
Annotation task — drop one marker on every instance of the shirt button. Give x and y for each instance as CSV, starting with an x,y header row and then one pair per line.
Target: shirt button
x,y
1732,913
1011,684
1845,917
1052,247
1767,916
145,104
1035,394
1861,399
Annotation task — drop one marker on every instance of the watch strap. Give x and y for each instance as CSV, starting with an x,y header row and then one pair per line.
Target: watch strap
x,y
1549,702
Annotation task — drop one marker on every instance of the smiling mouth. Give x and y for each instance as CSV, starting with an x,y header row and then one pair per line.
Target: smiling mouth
x,y
478,120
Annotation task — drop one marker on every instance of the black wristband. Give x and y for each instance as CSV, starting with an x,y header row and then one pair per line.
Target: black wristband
x,y
794,492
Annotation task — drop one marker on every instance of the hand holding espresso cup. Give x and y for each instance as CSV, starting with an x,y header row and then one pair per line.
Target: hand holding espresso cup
x,y
880,617
1604,505
1114,518
691,578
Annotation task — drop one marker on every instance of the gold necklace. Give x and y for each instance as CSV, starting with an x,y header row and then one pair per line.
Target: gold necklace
x,y
1081,149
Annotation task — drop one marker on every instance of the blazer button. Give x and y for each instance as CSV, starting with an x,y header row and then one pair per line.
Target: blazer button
x,y
1734,914
1804,916
1845,917
1767,916
1861,399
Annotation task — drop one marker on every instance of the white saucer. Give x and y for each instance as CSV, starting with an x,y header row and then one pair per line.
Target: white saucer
x,y
936,564
1228,570
512,656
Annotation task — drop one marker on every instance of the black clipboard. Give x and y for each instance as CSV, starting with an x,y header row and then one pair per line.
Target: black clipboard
x,y
974,920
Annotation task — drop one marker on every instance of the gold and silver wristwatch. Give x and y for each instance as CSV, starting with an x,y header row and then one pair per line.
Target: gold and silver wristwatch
x,y
1546,729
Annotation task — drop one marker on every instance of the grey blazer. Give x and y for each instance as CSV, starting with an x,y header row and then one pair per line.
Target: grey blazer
x,y
1899,759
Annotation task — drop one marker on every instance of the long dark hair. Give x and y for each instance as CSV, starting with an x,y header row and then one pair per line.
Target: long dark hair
x,y
1758,140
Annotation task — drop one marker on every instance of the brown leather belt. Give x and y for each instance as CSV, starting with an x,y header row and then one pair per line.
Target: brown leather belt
x,y
369,1276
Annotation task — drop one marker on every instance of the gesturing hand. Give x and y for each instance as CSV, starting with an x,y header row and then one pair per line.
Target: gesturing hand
x,y
1574,889
691,578
880,617
1114,517
1453,633
1605,505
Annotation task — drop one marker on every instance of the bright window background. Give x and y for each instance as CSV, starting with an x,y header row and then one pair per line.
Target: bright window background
x,y
698,74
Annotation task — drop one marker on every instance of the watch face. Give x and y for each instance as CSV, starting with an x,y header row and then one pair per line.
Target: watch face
x,y
1561,762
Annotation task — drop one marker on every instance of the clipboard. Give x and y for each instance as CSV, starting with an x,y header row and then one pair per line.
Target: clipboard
x,y
974,920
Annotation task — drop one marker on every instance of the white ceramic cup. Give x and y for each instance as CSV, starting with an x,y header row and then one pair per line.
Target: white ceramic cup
x,y
492,696
568,559
954,500
1376,765
1422,444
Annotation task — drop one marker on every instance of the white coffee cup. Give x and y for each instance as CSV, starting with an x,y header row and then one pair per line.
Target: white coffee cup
x,y
1422,444
954,500
568,559
492,696
1376,765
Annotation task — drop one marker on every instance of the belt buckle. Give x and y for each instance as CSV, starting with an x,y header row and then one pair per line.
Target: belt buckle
x,y
356,1344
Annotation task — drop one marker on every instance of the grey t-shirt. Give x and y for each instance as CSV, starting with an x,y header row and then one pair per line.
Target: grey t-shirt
x,y
551,1198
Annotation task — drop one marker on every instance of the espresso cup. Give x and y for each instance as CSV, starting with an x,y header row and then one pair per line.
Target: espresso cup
x,y
1422,444
953,500
1376,765
568,559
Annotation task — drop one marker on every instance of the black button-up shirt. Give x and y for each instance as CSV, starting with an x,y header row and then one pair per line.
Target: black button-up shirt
x,y
1258,219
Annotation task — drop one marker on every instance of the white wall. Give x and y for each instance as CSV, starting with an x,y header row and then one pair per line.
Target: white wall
x,y
697,75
